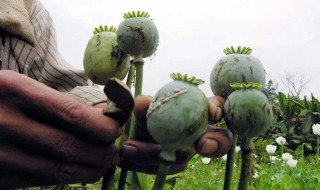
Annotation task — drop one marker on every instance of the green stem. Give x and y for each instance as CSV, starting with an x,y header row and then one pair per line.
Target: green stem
x,y
130,78
123,172
246,149
122,179
138,90
139,77
134,181
318,146
229,165
302,150
108,179
131,74
133,126
162,172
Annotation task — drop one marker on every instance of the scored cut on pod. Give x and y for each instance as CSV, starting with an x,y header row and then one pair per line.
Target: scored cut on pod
x,y
178,115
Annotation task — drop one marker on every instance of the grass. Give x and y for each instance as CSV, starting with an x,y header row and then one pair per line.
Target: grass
x,y
269,175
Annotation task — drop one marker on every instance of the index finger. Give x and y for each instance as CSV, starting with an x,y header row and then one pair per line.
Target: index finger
x,y
216,104
215,142
142,103
49,106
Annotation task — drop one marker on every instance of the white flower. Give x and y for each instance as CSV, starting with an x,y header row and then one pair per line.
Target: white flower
x,y
255,175
225,157
316,129
205,160
292,163
271,149
238,148
286,156
281,140
273,158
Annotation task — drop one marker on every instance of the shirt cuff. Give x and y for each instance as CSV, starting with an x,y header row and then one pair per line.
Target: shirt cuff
x,y
90,95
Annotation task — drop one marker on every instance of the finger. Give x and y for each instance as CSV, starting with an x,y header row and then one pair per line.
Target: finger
x,y
142,103
141,152
53,142
121,96
151,169
15,180
40,101
147,154
216,142
14,161
216,104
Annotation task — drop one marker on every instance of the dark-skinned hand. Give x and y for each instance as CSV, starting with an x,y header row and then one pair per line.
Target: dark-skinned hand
x,y
142,154
47,137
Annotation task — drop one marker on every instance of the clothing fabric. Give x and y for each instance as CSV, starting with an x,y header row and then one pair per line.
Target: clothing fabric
x,y
2,40
14,19
42,61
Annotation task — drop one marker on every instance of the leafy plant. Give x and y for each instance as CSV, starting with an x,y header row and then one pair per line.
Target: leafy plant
x,y
294,120
310,112
271,91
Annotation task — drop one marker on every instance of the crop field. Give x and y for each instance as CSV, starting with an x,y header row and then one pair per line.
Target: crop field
x,y
269,172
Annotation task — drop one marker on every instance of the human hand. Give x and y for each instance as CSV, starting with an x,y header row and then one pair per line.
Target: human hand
x,y
48,138
142,154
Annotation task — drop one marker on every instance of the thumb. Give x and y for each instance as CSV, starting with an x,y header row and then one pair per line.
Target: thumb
x,y
122,100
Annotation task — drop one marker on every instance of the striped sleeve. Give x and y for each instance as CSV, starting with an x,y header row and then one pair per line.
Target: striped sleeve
x,y
88,94
44,62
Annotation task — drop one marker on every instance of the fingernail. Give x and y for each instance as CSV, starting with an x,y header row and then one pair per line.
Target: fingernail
x,y
209,146
129,151
116,159
218,114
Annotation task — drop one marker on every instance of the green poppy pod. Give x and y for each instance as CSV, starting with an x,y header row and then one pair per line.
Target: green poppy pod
x,y
138,35
237,66
103,59
177,116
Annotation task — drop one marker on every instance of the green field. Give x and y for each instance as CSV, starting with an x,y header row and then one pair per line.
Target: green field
x,y
267,174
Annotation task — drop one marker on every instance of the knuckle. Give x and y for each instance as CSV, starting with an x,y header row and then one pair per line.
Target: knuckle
x,y
69,147
7,78
71,173
73,112
63,172
3,121
6,122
